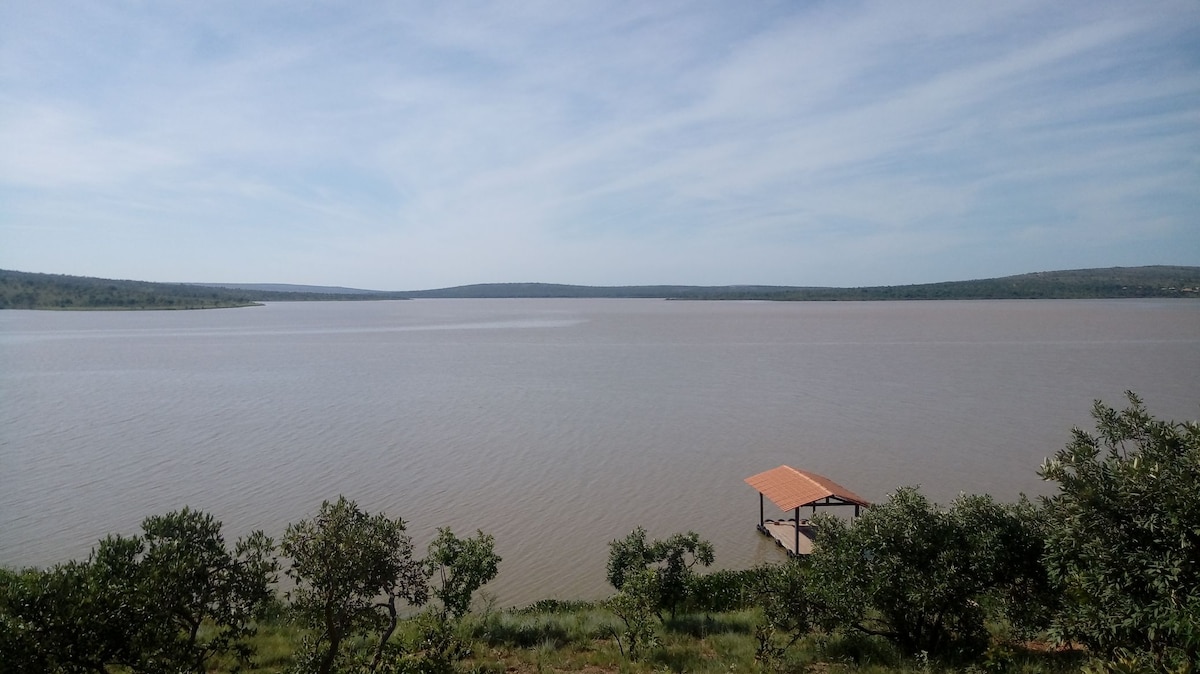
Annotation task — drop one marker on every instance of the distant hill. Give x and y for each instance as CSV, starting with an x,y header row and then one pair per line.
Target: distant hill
x,y
24,290
1115,282
1108,283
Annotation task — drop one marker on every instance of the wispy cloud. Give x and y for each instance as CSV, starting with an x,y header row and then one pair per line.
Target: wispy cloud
x,y
397,145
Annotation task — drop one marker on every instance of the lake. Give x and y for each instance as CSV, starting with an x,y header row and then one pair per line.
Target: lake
x,y
555,425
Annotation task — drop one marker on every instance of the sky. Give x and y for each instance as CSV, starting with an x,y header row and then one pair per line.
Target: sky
x,y
408,145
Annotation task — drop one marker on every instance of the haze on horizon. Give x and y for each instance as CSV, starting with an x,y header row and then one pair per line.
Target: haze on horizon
x,y
399,145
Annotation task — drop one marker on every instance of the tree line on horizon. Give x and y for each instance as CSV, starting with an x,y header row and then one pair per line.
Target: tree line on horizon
x,y
24,290
1110,563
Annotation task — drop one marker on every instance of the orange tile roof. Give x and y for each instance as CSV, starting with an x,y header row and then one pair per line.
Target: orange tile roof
x,y
789,488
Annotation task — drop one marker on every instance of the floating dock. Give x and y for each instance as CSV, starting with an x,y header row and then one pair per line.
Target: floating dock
x,y
792,489
784,533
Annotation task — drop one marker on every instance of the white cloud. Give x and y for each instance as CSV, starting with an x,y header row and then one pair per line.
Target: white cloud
x,y
48,146
400,145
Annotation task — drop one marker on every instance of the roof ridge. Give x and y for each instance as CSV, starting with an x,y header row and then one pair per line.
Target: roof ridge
x,y
809,478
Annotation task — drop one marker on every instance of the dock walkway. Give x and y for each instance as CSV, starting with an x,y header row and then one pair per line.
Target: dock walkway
x,y
784,533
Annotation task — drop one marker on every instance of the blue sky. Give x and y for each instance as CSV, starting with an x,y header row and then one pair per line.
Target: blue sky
x,y
396,145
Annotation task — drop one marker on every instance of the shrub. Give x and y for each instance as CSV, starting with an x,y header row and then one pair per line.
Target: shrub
x,y
343,562
671,561
919,575
1124,536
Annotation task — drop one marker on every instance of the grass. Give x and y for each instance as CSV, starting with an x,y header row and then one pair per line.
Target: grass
x,y
580,637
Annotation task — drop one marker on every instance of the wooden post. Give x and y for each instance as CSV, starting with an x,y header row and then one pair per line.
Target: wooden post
x,y
762,519
797,548
856,510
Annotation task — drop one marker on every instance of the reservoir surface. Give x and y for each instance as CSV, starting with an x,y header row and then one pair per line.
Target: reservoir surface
x,y
555,425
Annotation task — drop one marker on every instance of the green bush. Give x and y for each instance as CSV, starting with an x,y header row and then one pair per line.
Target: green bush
x,y
672,561
1124,536
169,600
921,576
724,590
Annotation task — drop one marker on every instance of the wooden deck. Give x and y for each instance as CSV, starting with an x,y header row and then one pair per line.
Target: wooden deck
x,y
784,533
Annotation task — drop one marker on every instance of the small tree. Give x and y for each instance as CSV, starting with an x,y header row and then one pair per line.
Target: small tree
x,y
201,582
460,566
678,556
672,560
1124,535
463,565
636,605
350,568
628,555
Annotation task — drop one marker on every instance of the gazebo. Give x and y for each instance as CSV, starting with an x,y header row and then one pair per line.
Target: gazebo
x,y
793,489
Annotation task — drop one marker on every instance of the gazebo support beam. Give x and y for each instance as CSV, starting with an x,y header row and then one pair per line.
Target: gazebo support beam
x,y
797,522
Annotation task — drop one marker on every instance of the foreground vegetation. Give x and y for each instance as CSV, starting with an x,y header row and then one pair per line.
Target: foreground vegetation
x,y
1102,577
578,637
21,290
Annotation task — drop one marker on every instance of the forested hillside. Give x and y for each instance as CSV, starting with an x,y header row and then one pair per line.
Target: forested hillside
x,y
23,290
20,290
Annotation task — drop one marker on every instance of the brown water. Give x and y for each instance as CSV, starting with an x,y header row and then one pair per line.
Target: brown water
x,y
556,425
